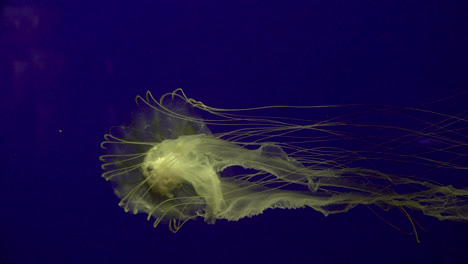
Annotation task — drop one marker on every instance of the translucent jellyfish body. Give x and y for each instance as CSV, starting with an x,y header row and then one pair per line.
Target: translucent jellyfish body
x,y
171,166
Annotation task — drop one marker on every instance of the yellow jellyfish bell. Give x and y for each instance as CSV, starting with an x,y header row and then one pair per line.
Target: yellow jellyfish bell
x,y
171,166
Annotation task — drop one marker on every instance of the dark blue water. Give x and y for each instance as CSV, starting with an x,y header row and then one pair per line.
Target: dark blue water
x,y
71,69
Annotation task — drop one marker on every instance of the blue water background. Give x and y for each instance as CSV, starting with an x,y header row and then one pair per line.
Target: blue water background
x,y
71,69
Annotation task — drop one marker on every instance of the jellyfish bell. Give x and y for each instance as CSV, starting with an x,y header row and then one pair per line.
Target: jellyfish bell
x,y
171,166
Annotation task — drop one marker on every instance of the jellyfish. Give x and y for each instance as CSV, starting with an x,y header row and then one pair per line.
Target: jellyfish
x,y
180,159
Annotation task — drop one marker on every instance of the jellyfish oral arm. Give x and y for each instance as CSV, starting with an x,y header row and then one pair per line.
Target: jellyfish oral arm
x,y
198,160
